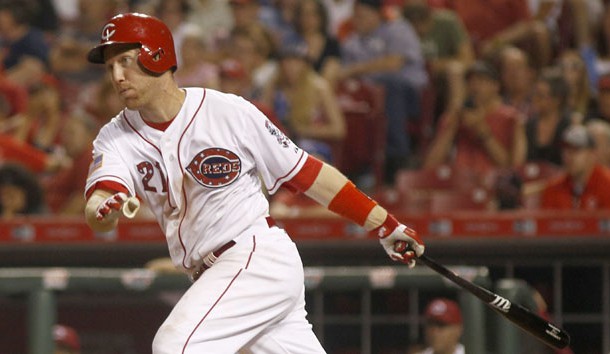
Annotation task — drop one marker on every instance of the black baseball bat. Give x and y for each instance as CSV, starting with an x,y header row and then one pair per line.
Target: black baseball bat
x,y
517,314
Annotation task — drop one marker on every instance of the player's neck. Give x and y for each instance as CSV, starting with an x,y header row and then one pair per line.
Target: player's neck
x,y
165,106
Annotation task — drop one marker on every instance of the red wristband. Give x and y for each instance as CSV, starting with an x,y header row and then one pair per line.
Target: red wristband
x,y
387,227
351,203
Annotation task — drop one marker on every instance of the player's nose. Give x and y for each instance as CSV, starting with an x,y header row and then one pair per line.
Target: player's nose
x,y
117,74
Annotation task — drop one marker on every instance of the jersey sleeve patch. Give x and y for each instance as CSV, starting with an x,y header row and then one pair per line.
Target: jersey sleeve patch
x,y
96,163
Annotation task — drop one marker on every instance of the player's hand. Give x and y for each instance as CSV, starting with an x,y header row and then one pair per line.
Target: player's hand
x,y
110,206
403,245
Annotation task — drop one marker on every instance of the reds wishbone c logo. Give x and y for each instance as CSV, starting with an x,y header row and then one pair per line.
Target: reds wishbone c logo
x,y
108,31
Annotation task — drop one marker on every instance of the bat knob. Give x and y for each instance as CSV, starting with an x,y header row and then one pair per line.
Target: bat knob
x,y
131,207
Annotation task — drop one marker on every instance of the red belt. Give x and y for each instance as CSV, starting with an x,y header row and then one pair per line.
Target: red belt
x,y
211,258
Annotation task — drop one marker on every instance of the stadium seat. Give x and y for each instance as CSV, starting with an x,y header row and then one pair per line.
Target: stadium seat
x,y
439,189
534,176
464,200
363,150
439,178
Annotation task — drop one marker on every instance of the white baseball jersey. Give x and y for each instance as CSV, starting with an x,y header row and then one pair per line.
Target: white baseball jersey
x,y
200,176
201,179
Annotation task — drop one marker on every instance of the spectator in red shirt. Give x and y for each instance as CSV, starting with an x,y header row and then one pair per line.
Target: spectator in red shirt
x,y
585,184
63,190
486,134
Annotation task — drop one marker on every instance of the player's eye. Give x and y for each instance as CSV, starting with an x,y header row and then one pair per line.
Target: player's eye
x,y
126,60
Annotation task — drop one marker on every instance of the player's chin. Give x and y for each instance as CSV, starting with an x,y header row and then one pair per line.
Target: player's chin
x,y
131,103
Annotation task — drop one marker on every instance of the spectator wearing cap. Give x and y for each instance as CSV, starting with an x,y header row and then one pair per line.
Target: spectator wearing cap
x,y
600,131
389,54
66,340
584,185
234,78
443,327
486,133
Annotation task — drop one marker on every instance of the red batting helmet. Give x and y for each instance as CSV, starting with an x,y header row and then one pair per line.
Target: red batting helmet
x,y
66,337
157,53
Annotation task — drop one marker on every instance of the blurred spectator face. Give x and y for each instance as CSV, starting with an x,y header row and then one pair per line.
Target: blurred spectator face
x,y
293,68
95,10
578,152
600,130
231,85
516,73
482,88
310,19
7,22
192,50
542,100
365,18
244,49
577,161
443,325
572,67
442,337
233,77
419,14
171,12
245,12
13,199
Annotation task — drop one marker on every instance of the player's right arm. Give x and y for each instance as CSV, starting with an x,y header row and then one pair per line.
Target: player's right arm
x,y
329,187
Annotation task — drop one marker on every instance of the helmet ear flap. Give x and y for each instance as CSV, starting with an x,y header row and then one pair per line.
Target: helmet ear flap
x,y
153,60
157,53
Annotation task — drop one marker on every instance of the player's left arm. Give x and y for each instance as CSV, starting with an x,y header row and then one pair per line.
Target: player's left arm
x,y
329,187
94,203
104,207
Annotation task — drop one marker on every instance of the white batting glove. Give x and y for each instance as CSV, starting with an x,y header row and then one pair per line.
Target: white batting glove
x,y
110,205
403,245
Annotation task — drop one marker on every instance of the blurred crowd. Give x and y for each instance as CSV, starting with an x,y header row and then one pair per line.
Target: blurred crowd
x,y
504,104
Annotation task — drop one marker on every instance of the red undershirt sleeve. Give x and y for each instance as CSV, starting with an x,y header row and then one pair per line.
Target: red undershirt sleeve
x,y
107,185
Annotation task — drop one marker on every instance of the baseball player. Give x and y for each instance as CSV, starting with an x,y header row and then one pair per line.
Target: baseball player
x,y
198,157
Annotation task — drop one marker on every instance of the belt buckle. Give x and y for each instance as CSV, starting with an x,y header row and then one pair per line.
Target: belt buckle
x,y
209,260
